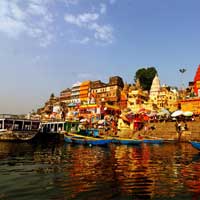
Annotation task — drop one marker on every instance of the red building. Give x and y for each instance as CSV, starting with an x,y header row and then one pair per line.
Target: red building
x,y
197,82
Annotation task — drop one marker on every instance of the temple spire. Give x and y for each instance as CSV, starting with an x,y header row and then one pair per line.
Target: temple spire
x,y
155,86
197,82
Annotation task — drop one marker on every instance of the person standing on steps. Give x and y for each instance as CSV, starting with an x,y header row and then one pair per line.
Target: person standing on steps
x,y
179,131
179,126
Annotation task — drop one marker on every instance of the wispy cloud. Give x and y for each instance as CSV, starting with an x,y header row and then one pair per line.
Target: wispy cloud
x,y
112,1
103,33
81,41
37,19
31,18
82,19
8,25
103,8
70,2
89,21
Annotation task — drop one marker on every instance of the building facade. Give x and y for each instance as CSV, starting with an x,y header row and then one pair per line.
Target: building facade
x,y
65,96
85,92
75,93
107,92
137,99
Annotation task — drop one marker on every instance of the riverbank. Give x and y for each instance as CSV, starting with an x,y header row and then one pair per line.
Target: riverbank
x,y
166,130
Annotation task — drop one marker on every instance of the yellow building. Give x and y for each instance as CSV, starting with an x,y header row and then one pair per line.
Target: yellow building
x,y
168,98
137,99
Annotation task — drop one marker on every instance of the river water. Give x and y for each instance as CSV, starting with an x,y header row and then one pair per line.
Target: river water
x,y
58,171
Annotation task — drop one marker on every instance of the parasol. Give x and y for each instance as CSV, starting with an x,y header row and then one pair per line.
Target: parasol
x,y
188,113
163,112
177,113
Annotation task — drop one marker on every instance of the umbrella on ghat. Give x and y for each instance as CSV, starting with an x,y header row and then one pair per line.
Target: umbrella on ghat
x,y
187,113
177,113
163,112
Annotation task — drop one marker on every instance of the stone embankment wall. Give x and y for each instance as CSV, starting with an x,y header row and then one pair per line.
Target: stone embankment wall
x,y
167,130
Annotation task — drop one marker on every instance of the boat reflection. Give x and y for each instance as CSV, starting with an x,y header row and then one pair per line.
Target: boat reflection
x,y
16,148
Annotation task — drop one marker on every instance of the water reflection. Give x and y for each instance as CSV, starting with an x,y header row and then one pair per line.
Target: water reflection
x,y
87,172
132,171
191,176
60,171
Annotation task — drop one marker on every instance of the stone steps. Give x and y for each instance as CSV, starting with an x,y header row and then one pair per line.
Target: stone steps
x,y
167,130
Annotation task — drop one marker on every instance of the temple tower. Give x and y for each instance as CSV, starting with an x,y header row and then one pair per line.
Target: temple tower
x,y
155,86
197,82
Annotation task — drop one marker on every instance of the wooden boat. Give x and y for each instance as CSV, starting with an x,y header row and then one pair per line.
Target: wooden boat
x,y
195,144
68,138
91,141
88,136
126,141
52,130
14,127
85,140
170,141
137,139
55,129
153,141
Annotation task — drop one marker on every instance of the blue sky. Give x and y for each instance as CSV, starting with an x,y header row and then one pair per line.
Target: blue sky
x,y
48,45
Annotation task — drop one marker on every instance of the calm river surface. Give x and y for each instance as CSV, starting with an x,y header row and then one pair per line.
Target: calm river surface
x,y
61,172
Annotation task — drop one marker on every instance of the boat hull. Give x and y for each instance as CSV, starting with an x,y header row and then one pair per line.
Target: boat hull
x,y
195,144
17,135
125,141
68,139
93,142
153,141
84,140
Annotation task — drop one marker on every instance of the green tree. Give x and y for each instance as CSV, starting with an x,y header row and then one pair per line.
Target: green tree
x,y
145,76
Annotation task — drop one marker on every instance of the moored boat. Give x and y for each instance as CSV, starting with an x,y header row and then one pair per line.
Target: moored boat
x,y
88,136
153,141
195,144
126,141
85,140
91,141
52,129
16,128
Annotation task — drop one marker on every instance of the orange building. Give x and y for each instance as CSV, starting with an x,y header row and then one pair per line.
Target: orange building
x,y
191,105
84,91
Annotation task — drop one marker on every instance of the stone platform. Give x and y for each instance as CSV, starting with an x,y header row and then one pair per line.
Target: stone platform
x,y
167,131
